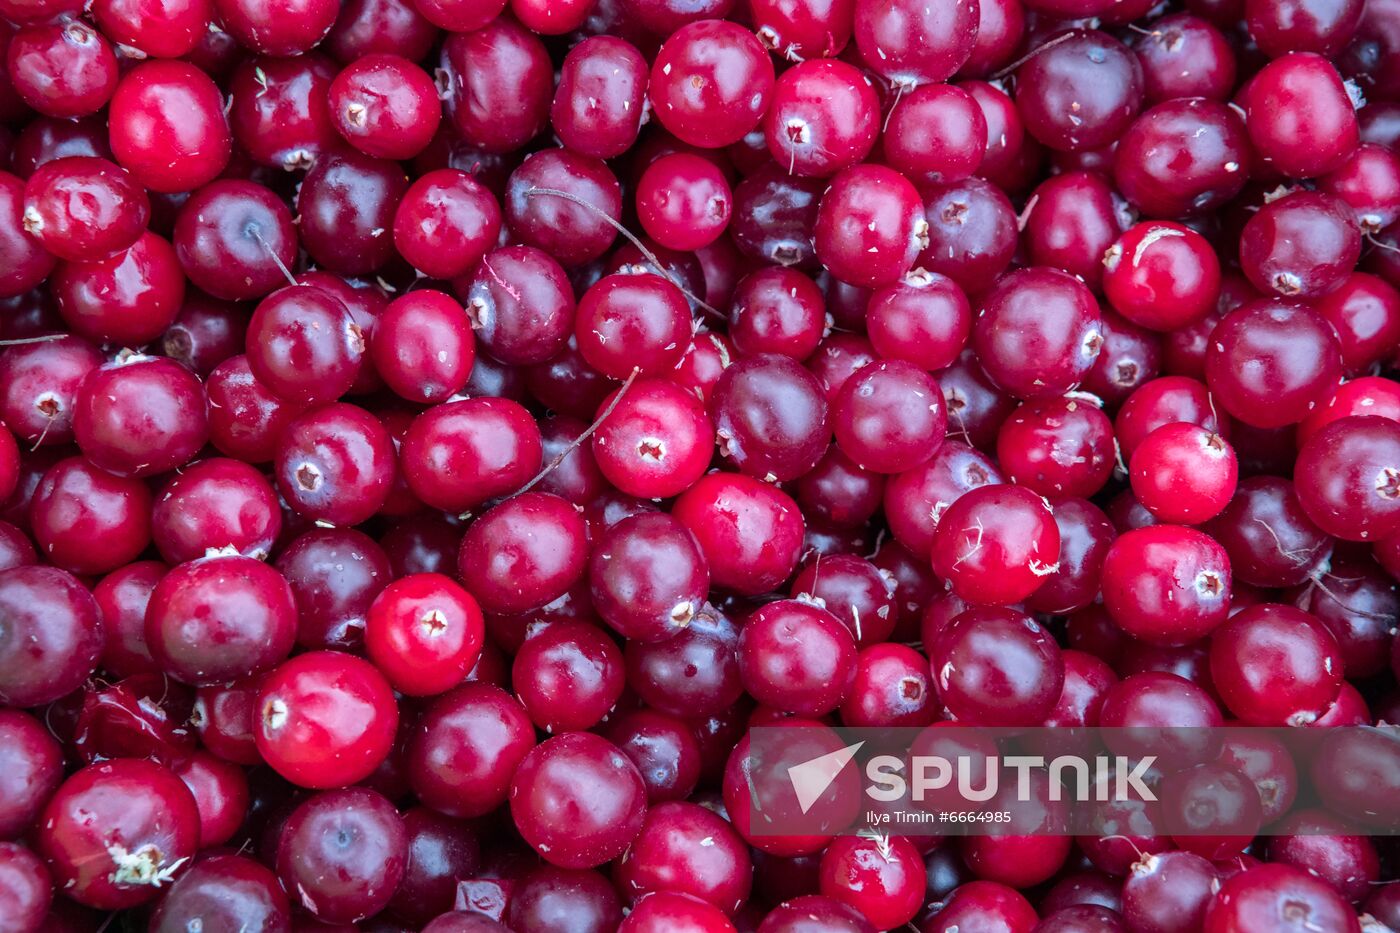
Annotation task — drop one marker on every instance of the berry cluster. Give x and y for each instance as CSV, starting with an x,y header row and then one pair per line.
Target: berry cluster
x,y
433,431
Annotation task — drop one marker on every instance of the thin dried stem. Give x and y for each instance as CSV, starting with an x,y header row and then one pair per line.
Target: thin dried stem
x,y
632,238
588,432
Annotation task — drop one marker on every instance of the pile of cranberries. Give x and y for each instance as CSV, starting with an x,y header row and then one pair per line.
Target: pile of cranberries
x,y
433,431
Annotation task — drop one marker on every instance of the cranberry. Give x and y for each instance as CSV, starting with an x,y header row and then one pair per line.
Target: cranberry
x,y
1280,895
1162,276
892,687
220,618
553,899
628,322
910,44
1274,100
916,500
458,455
1183,157
223,889
670,854
1057,447
1183,473
797,657
385,106
824,118
1270,539
304,345
84,208
445,223
1275,665
774,216
425,633
683,201
344,853
996,544
1080,91
771,417
52,637
466,746
577,800
499,81
575,228
1168,891
1071,222
800,31
235,239
62,69
888,417
215,504
924,319
693,673
655,442
711,83
669,911
325,719
524,553
1343,477
838,493
335,464
568,676
869,228
996,667
245,417
749,532
882,879
1037,333
168,127
519,304
345,205
598,105
1271,250
1166,585
1271,362
33,770
286,30
1085,535
975,901
1185,56
88,521
423,346
117,831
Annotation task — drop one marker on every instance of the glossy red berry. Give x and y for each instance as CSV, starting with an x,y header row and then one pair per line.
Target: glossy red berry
x,y
1166,584
869,228
168,127
423,346
140,416
325,719
1161,275
116,832
524,553
1183,473
995,545
1344,478
711,83
1037,333
749,531
997,667
912,44
424,632
1293,104
577,800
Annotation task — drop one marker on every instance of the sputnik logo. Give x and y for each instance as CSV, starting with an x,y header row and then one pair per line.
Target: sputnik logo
x,y
811,778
